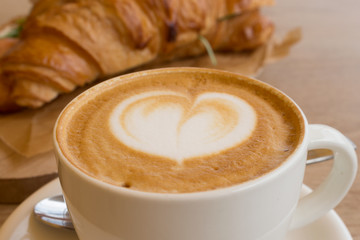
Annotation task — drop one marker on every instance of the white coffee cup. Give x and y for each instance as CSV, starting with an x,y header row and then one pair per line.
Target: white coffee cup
x,y
265,208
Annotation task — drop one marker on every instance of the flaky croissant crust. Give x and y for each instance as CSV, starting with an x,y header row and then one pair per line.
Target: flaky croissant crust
x,y
68,43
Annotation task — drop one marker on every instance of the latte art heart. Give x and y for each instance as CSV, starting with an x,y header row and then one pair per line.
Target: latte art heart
x,y
179,130
177,126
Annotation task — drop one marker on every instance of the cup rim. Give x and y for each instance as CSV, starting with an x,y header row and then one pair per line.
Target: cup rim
x,y
219,192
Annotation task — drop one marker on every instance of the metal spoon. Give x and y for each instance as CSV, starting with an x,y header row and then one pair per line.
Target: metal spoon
x,y
53,211
327,157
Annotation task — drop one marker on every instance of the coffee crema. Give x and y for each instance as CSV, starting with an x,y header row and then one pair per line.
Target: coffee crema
x,y
179,130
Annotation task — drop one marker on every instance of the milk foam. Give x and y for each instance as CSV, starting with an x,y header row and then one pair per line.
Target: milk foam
x,y
178,126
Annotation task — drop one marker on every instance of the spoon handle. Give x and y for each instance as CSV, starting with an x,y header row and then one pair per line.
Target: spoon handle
x,y
327,157
319,159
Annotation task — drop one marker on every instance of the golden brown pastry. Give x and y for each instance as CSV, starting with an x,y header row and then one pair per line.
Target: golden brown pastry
x,y
68,43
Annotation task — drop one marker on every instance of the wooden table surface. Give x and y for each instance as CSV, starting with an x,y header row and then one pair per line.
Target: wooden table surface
x,y
322,74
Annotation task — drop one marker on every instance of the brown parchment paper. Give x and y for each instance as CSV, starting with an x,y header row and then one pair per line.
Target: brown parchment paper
x,y
29,133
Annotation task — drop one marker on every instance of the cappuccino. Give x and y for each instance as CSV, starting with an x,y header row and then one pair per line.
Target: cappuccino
x,y
179,130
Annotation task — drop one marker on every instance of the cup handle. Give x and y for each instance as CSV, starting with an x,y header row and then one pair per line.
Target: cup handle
x,y
334,188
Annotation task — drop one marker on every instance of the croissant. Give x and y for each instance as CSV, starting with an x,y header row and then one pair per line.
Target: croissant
x,y
65,44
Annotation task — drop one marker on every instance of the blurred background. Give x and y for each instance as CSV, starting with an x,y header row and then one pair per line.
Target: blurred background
x,y
322,74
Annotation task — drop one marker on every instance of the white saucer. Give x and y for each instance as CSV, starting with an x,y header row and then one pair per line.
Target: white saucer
x,y
22,225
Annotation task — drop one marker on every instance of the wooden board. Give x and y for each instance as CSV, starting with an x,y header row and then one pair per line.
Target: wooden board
x,y
21,176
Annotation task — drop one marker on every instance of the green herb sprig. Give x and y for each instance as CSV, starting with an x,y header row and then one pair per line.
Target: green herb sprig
x,y
209,49
15,32
228,17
